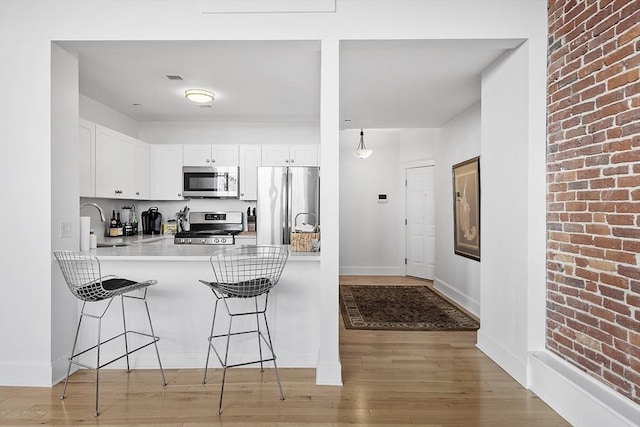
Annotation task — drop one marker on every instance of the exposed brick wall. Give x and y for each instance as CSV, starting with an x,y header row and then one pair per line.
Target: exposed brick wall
x,y
593,189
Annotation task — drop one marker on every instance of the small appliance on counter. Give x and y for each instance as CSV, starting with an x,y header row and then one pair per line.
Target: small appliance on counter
x,y
211,228
151,221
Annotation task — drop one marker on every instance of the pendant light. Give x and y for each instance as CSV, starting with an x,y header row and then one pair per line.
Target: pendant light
x,y
361,152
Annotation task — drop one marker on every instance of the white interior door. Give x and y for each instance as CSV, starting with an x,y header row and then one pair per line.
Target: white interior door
x,y
420,229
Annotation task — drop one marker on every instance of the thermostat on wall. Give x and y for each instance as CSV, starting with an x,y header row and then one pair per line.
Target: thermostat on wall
x,y
382,198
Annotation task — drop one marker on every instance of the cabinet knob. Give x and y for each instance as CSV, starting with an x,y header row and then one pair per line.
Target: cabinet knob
x,y
286,160
291,160
208,160
242,194
137,193
213,160
179,194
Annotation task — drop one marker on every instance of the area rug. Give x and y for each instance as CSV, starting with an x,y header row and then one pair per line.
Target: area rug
x,y
401,308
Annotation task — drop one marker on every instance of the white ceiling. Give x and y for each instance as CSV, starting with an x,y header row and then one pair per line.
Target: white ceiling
x,y
383,84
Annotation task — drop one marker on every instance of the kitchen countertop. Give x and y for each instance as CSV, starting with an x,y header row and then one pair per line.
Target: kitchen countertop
x,y
161,247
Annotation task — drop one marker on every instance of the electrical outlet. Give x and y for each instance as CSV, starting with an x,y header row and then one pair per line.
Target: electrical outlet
x,y
65,229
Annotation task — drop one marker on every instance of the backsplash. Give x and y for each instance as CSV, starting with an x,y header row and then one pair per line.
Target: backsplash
x,y
168,209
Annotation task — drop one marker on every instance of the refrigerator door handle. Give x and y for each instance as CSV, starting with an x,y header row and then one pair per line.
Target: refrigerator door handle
x,y
287,214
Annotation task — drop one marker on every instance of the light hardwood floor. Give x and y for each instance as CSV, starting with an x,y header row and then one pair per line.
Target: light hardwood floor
x,y
390,378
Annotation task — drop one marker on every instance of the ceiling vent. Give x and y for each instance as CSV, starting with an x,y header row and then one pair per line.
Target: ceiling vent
x,y
176,77
205,106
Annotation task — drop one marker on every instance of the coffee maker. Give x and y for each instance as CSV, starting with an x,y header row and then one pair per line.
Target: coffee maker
x,y
151,221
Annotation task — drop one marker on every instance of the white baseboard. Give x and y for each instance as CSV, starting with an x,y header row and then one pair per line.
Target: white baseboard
x,y
580,399
328,372
514,367
459,298
371,271
25,374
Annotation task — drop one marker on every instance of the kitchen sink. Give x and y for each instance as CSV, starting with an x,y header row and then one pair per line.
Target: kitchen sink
x,y
111,244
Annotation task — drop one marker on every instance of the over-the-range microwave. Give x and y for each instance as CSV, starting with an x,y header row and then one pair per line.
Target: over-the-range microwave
x,y
210,181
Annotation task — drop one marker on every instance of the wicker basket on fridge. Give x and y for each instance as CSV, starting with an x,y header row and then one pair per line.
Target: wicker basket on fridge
x,y
304,241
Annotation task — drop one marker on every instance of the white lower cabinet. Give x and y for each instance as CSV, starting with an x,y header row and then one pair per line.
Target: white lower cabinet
x,y
166,172
250,159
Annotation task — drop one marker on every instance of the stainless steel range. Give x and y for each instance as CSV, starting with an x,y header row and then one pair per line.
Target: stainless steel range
x,y
210,228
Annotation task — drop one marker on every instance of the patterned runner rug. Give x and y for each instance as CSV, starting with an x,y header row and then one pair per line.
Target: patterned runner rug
x,y
402,308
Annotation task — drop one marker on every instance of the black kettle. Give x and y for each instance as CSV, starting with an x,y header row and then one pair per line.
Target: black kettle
x,y
151,221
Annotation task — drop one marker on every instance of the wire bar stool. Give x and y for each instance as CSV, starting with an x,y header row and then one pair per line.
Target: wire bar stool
x,y
244,273
83,275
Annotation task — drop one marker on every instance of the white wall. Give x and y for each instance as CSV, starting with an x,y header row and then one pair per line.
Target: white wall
x,y
371,233
228,133
64,206
97,112
456,276
504,215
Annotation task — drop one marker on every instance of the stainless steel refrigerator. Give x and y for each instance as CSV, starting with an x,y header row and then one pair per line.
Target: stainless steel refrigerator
x,y
283,194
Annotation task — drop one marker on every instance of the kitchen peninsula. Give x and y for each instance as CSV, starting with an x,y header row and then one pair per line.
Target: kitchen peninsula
x,y
182,307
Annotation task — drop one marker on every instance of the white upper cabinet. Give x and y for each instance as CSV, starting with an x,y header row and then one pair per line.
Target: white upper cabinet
x,y
141,170
304,155
290,155
87,150
210,155
166,172
250,159
113,164
122,165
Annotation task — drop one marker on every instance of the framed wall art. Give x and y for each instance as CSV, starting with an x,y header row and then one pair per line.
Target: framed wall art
x,y
466,208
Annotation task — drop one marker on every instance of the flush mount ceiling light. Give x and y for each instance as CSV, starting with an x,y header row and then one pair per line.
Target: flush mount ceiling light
x,y
361,152
200,96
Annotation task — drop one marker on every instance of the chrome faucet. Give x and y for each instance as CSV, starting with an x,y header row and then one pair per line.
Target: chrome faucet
x,y
97,207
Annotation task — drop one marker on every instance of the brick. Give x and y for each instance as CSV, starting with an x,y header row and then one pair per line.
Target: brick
x,y
573,228
610,98
600,229
586,274
628,181
619,356
631,246
620,256
575,206
572,164
607,243
614,195
601,265
602,183
629,232
608,72
588,173
581,217
630,129
581,239
592,252
578,185
617,307
623,145
623,79
616,170
618,55
631,272
614,133
603,313
602,207
627,207
614,330
589,195
593,91
611,293
602,159
627,117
